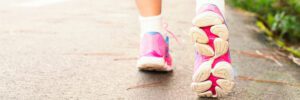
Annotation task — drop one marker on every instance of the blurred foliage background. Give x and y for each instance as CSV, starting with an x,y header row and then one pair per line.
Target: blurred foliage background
x,y
282,17
279,19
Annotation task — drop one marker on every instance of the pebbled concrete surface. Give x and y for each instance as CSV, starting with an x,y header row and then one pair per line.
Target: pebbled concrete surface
x,y
87,49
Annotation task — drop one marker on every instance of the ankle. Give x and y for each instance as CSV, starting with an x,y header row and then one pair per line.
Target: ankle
x,y
151,24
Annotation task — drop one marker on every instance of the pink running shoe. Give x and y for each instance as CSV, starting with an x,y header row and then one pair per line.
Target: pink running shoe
x,y
154,51
213,73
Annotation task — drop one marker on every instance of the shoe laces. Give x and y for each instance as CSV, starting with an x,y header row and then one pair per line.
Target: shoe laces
x,y
167,31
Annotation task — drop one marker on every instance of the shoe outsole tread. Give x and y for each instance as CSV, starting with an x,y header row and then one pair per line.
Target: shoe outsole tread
x,y
222,70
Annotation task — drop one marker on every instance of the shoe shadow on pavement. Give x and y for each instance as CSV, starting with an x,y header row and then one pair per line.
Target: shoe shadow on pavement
x,y
163,78
151,84
159,77
207,98
156,72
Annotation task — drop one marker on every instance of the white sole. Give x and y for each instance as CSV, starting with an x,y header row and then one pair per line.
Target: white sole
x,y
204,49
220,30
208,18
152,64
201,84
221,46
222,70
198,35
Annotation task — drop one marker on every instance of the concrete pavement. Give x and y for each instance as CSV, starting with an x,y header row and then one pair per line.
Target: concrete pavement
x,y
87,49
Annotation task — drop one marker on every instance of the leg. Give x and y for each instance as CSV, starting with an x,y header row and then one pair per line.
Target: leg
x,y
154,47
149,7
150,15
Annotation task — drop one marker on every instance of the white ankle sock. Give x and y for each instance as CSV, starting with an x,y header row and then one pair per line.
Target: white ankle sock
x,y
151,24
219,3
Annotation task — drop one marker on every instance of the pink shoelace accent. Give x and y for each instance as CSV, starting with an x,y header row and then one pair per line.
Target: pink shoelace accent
x,y
170,32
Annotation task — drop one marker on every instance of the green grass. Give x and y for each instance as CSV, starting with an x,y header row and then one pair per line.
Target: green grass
x,y
282,17
279,19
